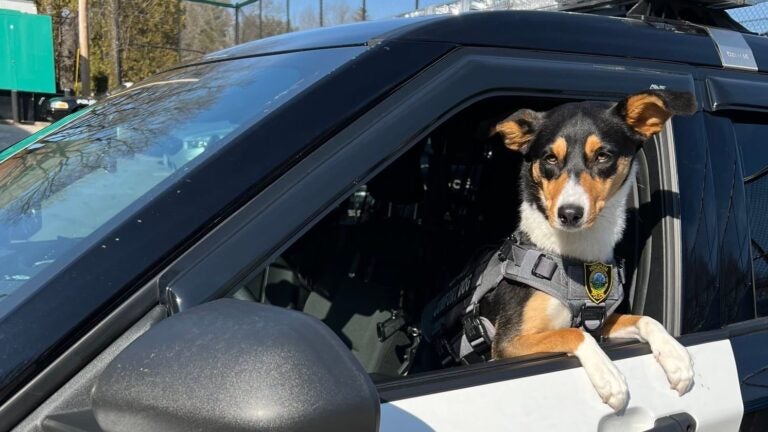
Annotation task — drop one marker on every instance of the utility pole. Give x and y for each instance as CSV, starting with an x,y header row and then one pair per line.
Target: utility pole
x,y
287,16
237,25
85,70
365,12
178,28
321,13
116,43
417,5
261,23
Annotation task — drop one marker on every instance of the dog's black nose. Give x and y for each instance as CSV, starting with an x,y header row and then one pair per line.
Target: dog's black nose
x,y
570,215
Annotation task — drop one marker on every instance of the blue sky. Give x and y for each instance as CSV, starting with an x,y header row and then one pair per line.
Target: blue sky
x,y
385,8
376,8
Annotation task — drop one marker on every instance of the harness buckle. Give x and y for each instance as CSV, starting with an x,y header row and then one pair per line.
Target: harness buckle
x,y
476,333
592,319
544,267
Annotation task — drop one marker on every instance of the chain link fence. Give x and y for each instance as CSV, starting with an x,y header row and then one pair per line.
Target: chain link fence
x,y
754,18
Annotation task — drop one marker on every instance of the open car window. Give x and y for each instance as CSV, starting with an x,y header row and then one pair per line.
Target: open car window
x,y
370,268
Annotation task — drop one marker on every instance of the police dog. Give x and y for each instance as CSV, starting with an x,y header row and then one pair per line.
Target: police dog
x,y
579,166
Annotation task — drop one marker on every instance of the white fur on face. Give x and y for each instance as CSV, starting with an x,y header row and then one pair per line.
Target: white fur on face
x,y
594,243
573,194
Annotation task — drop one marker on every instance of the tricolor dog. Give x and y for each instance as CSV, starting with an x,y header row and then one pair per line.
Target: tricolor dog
x,y
579,168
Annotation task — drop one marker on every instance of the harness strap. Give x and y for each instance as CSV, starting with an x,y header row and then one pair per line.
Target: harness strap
x,y
478,331
564,279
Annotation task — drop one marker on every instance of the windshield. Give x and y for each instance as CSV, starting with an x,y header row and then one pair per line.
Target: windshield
x,y
62,192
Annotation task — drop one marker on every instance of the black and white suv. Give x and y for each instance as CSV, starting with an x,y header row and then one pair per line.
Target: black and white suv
x,y
346,174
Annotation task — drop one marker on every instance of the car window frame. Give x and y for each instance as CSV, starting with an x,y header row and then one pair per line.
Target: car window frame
x,y
466,75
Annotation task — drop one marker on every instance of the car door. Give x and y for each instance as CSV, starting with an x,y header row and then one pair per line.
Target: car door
x,y
539,393
736,129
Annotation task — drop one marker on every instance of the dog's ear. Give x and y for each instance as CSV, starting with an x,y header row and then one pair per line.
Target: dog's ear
x,y
519,129
647,111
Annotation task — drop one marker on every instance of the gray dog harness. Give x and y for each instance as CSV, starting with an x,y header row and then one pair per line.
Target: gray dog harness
x,y
591,291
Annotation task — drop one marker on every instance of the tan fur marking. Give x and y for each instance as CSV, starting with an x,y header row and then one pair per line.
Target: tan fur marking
x,y
536,314
515,137
559,148
554,341
550,191
646,114
618,322
601,190
536,172
623,168
593,144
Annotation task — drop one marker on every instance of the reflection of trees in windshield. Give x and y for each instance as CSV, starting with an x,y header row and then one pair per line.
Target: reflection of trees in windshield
x,y
149,120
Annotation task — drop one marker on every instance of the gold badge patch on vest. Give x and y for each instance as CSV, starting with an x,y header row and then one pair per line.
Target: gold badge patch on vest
x,y
598,281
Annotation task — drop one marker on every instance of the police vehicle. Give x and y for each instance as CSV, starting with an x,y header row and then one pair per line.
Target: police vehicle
x,y
248,242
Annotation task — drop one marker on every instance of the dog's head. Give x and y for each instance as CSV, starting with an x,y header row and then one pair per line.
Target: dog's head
x,y
578,155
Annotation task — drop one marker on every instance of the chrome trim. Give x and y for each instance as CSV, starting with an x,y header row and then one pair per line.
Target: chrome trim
x,y
671,226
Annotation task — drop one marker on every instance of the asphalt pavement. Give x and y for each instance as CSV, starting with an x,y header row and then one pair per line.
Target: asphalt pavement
x,y
11,133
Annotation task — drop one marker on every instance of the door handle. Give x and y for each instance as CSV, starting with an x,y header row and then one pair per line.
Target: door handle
x,y
681,422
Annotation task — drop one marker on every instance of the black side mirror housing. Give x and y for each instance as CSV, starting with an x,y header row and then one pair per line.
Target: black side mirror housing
x,y
232,365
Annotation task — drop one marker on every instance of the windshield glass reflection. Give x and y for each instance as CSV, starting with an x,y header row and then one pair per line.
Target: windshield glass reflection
x,y
65,191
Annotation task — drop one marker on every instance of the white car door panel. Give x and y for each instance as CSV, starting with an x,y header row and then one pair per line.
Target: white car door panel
x,y
566,400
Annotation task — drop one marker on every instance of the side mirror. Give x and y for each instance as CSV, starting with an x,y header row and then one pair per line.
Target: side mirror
x,y
231,365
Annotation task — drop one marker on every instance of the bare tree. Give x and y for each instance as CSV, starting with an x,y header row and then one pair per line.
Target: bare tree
x,y
206,28
339,12
272,21
308,18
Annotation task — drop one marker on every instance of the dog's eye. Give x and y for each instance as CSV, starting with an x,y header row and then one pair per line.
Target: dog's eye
x,y
550,159
603,157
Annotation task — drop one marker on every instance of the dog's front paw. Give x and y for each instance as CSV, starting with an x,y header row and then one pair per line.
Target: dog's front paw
x,y
671,355
676,362
605,377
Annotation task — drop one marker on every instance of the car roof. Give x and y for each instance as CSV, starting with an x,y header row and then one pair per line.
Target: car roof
x,y
535,30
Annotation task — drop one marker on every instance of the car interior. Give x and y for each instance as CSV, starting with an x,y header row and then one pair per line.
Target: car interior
x,y
370,266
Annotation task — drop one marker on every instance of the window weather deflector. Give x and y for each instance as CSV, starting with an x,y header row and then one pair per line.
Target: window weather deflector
x,y
736,94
